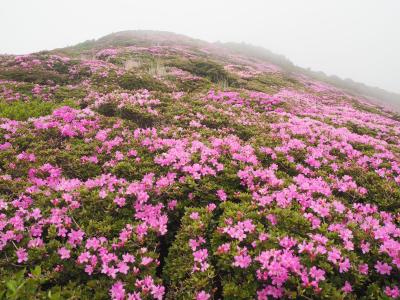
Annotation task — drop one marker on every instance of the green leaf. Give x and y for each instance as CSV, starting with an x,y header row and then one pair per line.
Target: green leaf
x,y
54,296
12,285
37,271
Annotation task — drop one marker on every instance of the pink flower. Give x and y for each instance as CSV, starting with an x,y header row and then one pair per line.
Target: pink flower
x,y
287,242
317,274
392,292
383,268
272,219
64,253
75,237
334,255
117,291
22,255
123,267
193,244
363,269
211,207
89,269
110,271
365,247
128,258
84,257
239,231
347,287
344,266
270,290
158,291
222,195
195,215
203,296
172,204
263,236
146,260
200,255
224,248
93,243
120,201
242,261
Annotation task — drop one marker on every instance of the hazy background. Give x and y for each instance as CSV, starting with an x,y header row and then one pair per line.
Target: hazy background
x,y
358,39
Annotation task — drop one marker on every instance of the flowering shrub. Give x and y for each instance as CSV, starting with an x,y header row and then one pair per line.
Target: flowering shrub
x,y
125,185
187,267
134,82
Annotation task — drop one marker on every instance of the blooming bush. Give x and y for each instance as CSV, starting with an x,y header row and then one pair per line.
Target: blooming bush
x,y
119,184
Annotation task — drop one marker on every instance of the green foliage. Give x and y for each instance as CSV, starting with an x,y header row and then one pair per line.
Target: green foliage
x,y
130,81
18,286
37,75
384,193
360,130
206,68
197,85
23,110
140,117
270,83
367,108
108,109
183,283
64,92
71,161
236,283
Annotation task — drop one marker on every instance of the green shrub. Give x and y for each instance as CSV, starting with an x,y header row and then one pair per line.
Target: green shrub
x,y
23,110
18,286
131,81
139,116
64,92
182,282
193,85
206,68
236,283
36,75
271,83
382,192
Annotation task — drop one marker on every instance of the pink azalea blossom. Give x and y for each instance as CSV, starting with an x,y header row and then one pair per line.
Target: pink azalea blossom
x,y
64,253
383,268
202,295
22,255
242,261
347,288
117,291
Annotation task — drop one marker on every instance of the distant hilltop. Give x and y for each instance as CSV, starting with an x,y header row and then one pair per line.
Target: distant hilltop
x,y
150,37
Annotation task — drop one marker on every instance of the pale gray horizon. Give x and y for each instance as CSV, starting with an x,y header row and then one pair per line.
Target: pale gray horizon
x,y
357,39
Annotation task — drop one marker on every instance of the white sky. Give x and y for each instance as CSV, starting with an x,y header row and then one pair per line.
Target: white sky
x,y
358,39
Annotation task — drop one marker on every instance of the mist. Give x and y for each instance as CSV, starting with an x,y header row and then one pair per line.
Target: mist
x,y
358,39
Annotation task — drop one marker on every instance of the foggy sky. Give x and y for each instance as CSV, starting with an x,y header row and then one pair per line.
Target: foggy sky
x,y
358,39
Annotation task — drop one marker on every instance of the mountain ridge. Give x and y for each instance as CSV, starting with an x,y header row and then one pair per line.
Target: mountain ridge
x,y
375,94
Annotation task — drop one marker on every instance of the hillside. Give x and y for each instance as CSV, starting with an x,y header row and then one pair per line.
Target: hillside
x,y
149,165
